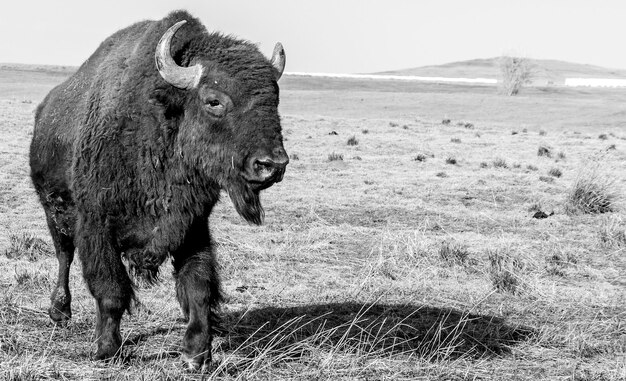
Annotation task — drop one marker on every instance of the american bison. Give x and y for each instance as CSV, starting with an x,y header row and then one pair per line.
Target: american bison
x,y
129,156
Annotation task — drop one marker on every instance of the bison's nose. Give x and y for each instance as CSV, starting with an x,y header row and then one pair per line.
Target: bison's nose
x,y
264,169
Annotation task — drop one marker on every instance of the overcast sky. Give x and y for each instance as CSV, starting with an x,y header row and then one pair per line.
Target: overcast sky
x,y
336,36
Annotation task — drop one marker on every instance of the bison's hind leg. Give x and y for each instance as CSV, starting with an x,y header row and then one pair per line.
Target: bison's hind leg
x,y
61,219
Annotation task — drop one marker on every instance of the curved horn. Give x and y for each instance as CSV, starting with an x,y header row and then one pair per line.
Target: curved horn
x,y
278,59
178,76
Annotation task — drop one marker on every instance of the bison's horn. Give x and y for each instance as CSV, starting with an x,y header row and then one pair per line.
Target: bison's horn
x,y
278,59
178,76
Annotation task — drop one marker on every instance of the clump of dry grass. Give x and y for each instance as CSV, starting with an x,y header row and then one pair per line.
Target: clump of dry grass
x,y
454,253
612,232
352,141
546,179
484,164
560,155
544,151
420,157
531,167
603,137
455,140
441,174
592,193
542,133
555,172
335,156
500,163
27,246
504,272
294,156
451,161
445,122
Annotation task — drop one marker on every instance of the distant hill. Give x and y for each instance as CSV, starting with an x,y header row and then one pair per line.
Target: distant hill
x,y
545,71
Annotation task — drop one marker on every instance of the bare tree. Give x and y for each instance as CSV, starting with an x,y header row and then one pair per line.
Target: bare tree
x,y
516,72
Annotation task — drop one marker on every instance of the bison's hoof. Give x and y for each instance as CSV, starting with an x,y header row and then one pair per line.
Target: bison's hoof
x,y
107,350
60,314
199,363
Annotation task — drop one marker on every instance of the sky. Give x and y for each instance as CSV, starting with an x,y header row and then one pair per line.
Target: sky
x,y
336,36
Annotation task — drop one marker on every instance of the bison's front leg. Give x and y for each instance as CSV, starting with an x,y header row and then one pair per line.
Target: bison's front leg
x,y
198,292
107,281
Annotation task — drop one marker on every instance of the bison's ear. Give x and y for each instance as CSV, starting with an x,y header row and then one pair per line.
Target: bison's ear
x,y
168,100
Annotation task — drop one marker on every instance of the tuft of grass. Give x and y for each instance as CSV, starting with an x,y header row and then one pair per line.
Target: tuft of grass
x,y
393,124
517,165
357,157
504,272
27,246
294,156
30,280
611,147
514,132
560,155
455,140
365,131
603,137
542,133
335,156
555,172
441,174
531,167
477,134
445,122
500,163
454,253
592,193
544,151
525,130
484,164
451,161
546,179
612,232
405,126
352,141
420,157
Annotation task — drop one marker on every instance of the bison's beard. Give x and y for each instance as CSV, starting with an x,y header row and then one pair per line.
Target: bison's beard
x,y
246,201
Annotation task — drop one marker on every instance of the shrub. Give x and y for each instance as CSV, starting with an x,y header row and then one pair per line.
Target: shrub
x,y
544,151
592,193
445,122
500,163
353,141
603,137
555,172
515,72
455,140
335,156
451,161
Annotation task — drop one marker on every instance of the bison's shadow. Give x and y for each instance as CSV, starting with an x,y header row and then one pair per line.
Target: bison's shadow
x,y
380,329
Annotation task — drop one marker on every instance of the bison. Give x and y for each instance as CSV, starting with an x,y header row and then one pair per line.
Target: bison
x,y
129,156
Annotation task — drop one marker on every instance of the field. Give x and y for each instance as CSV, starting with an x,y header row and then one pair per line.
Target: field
x,y
401,244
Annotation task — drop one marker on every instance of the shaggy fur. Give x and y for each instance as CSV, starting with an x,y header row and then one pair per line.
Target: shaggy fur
x,y
128,166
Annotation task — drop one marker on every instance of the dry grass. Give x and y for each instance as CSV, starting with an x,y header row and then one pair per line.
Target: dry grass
x,y
593,192
379,268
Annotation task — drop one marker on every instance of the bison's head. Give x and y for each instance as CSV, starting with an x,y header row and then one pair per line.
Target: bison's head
x,y
228,123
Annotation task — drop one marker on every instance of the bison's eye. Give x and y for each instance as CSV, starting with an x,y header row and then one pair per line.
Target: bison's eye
x,y
216,103
215,107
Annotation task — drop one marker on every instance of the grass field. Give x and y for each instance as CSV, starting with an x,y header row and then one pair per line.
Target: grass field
x,y
398,247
